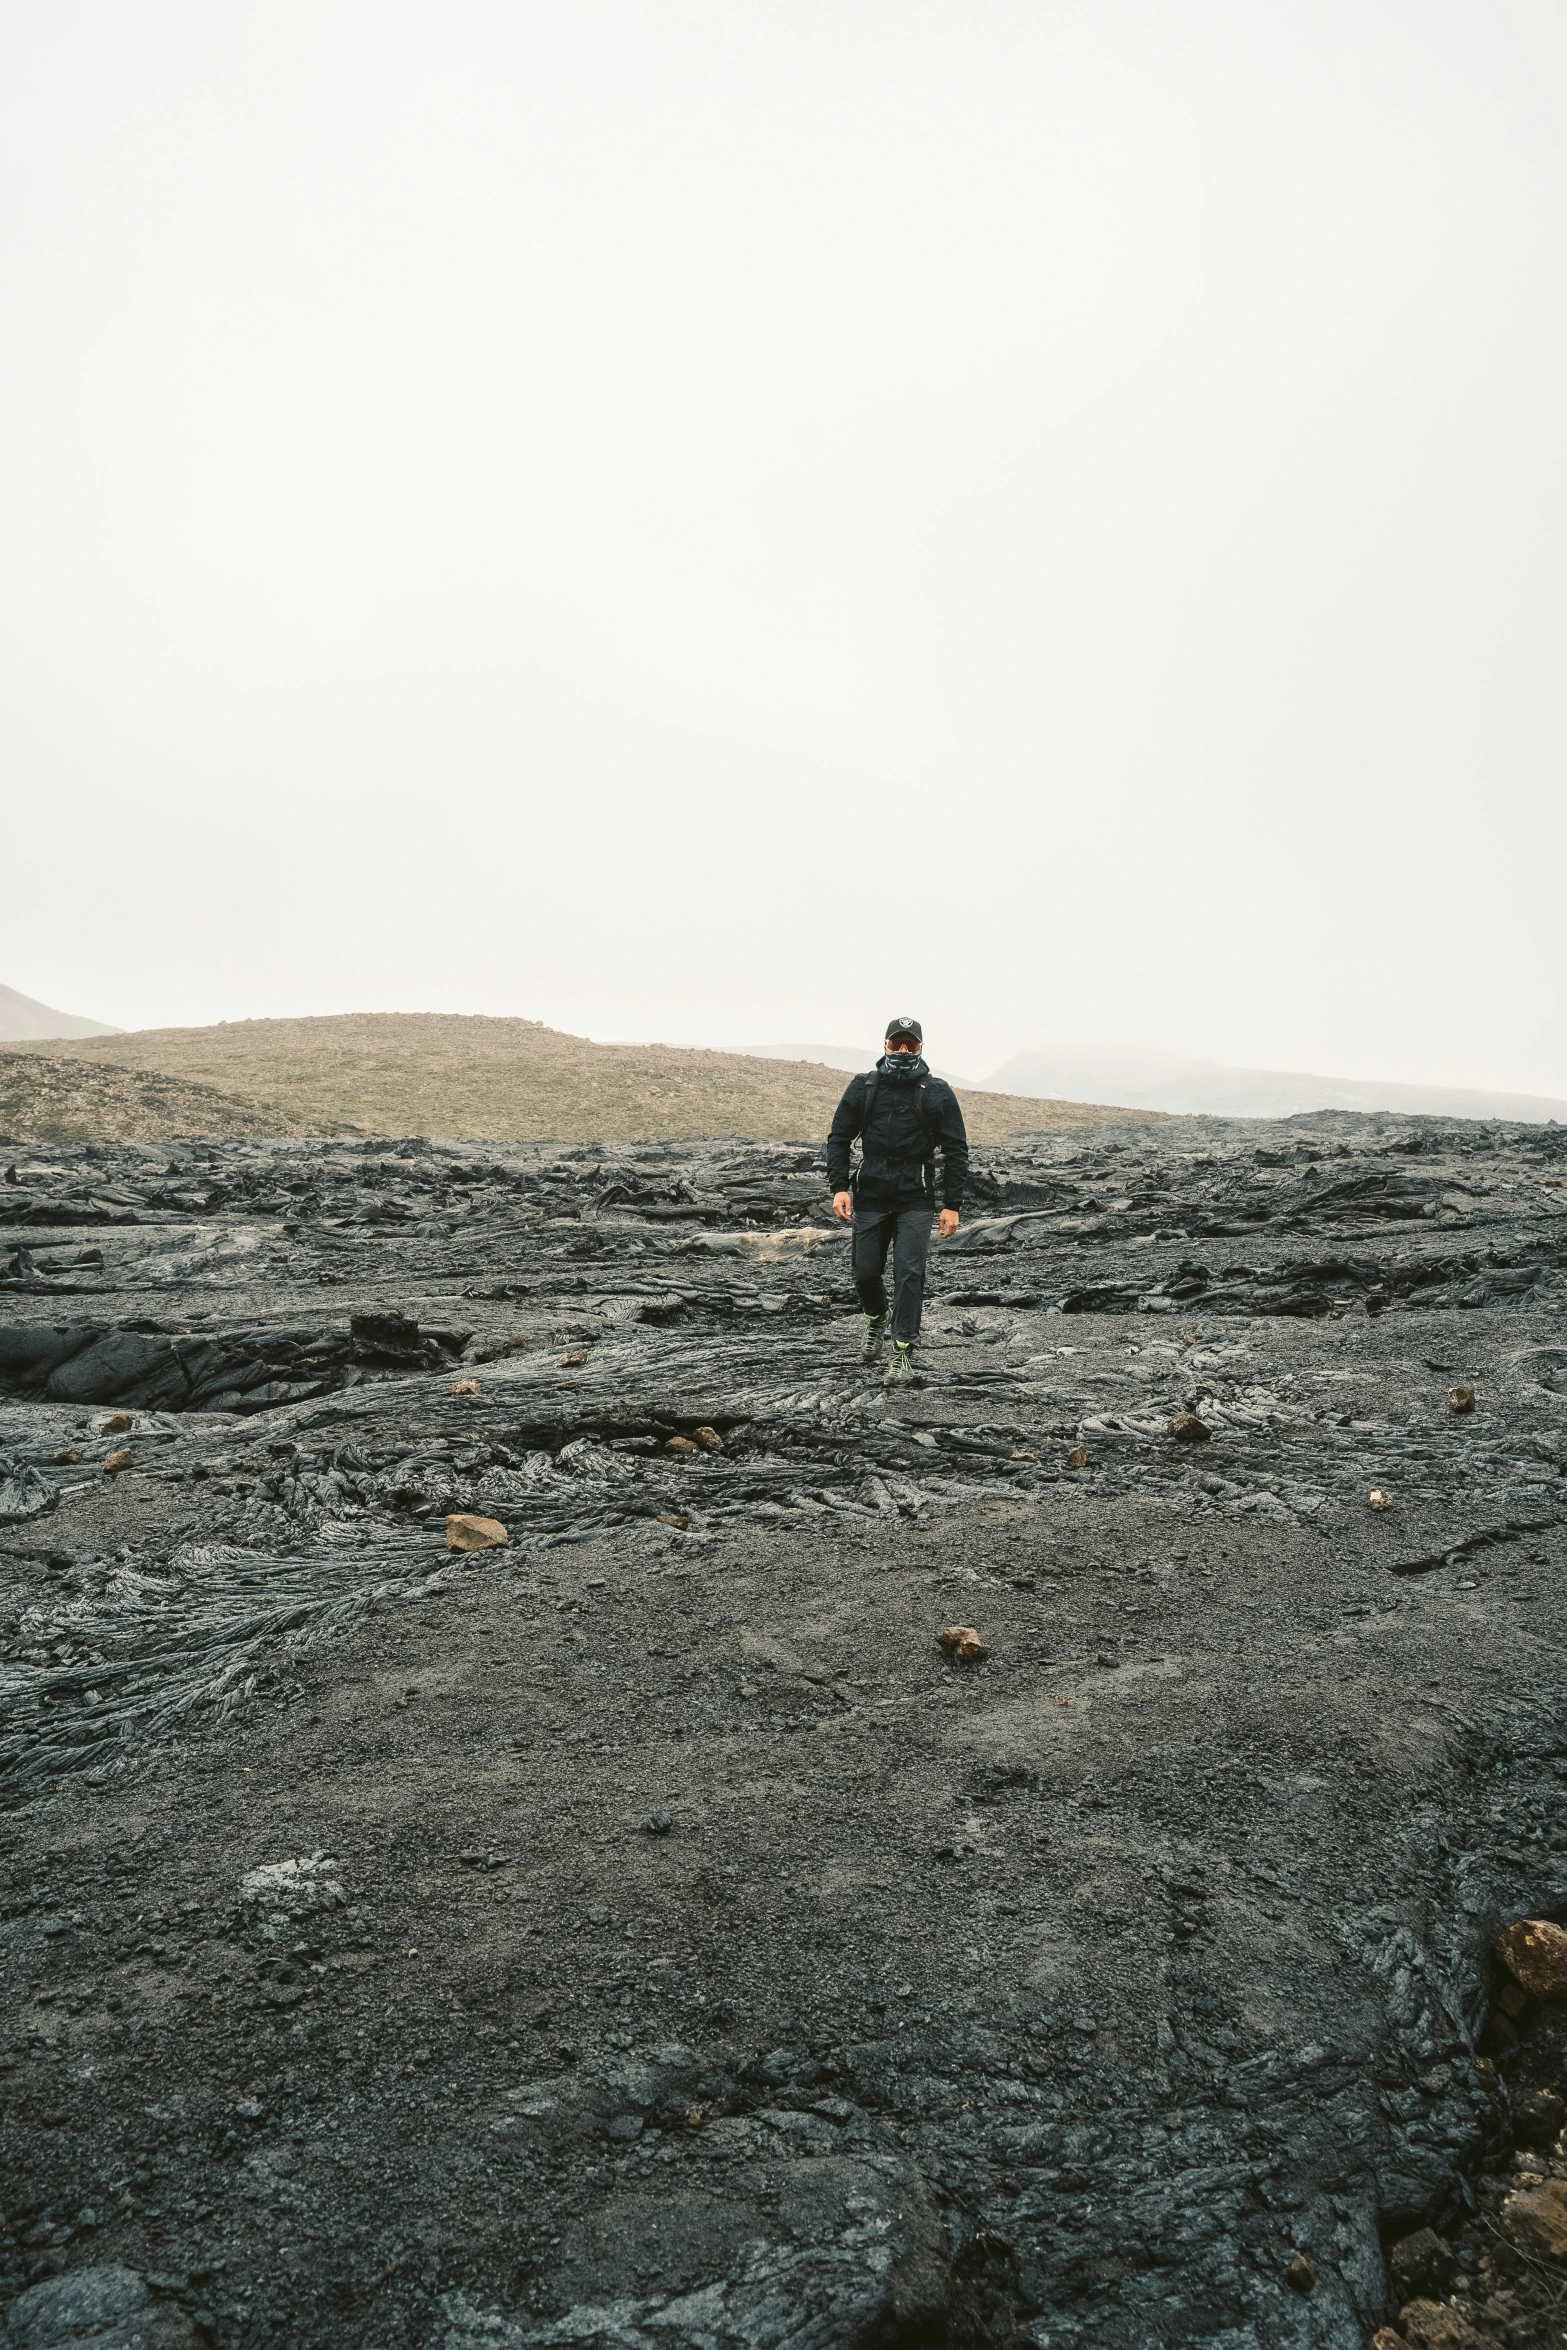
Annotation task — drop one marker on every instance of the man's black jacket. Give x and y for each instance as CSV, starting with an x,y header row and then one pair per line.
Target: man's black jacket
x,y
911,1118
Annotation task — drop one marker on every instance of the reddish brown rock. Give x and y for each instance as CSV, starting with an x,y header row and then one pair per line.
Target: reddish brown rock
x,y
1436,2325
1534,1952
1535,2219
469,1533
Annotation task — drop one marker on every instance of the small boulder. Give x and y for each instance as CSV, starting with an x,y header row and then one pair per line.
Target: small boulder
x,y
675,1518
962,1644
1379,1499
1421,2263
1300,2276
1077,1458
1186,1428
117,1424
1540,2120
1534,1952
1460,1399
709,1439
1437,2325
118,1462
681,1444
465,1387
65,1458
464,1532
1535,2219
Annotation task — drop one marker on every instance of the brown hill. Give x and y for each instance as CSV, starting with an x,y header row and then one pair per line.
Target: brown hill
x,y
474,1078
46,1097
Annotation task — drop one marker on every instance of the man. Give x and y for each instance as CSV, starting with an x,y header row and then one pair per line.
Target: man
x,y
902,1116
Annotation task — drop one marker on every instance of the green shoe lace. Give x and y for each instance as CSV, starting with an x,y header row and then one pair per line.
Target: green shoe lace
x,y
900,1371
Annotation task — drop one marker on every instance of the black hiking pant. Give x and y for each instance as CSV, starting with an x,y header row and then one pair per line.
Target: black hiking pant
x,y
906,1231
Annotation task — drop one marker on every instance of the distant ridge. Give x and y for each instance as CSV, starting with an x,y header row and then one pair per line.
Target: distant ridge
x,y
1165,1081
22,1021
467,1077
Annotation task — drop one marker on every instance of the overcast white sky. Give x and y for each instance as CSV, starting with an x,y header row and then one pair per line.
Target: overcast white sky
x,y
719,522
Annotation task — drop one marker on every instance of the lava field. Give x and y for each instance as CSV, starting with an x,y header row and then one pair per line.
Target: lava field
x,y
642,1931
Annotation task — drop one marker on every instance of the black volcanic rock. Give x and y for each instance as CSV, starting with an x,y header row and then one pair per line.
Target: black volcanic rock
x,y
639,1933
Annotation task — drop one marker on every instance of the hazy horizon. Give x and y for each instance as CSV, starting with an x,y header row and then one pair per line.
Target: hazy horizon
x,y
716,524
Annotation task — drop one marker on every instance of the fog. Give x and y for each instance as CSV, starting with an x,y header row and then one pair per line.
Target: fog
x,y
721,522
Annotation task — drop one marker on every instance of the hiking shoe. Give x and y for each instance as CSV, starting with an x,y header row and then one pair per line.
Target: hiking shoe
x,y
875,1332
900,1371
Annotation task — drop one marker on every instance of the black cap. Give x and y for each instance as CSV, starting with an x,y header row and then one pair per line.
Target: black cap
x,y
905,1027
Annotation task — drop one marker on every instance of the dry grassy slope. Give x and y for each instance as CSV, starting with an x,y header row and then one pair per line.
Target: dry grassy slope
x,y
471,1077
45,1097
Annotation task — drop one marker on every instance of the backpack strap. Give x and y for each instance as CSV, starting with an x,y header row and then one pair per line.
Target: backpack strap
x,y
922,1112
872,1081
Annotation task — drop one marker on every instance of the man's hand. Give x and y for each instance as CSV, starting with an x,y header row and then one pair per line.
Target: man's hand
x,y
843,1205
947,1223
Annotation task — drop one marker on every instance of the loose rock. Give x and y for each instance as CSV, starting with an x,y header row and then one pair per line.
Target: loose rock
x,y
1460,1399
118,1462
1436,2325
1379,1499
1535,2219
1420,2263
962,1644
465,1532
1540,2120
1534,1952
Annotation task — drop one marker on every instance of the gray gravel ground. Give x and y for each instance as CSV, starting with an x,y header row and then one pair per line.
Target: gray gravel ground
x,y
677,1949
